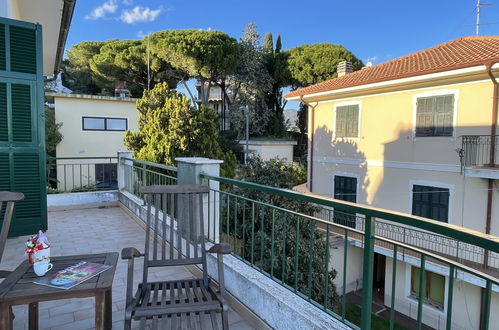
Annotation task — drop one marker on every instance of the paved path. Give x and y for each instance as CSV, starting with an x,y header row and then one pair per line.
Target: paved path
x,y
92,231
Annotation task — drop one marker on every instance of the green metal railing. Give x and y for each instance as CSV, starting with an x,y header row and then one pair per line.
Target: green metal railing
x,y
77,174
448,247
140,173
304,253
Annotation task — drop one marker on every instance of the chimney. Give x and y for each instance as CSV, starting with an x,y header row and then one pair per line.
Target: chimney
x,y
344,68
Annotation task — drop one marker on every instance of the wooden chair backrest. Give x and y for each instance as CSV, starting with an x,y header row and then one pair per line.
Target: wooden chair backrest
x,y
174,226
10,198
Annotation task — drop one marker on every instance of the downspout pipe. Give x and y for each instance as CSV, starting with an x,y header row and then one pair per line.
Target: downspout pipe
x,y
311,135
490,183
493,132
493,126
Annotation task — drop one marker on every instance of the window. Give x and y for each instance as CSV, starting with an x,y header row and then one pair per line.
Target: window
x,y
434,287
347,121
434,116
430,202
345,189
104,124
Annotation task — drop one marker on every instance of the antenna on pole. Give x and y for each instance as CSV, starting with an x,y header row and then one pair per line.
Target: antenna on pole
x,y
478,6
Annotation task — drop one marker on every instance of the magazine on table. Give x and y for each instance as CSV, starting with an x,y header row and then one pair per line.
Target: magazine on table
x,y
73,275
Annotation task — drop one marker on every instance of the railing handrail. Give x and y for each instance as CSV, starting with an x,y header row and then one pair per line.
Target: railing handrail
x,y
77,158
474,237
143,162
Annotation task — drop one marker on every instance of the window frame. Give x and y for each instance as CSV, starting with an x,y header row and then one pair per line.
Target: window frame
x,y
433,184
105,124
359,118
426,300
442,92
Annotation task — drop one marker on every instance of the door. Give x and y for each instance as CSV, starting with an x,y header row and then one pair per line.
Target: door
x,y
379,277
345,189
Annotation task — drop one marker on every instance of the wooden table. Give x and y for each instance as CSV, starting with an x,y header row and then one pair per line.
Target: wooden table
x,y
18,289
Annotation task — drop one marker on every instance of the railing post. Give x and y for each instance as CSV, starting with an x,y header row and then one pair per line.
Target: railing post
x,y
121,168
367,276
188,172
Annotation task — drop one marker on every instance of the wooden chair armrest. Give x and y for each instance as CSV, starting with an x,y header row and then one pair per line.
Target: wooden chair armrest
x,y
221,248
130,253
5,273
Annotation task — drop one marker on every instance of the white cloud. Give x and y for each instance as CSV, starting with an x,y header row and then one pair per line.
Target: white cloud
x,y
127,2
140,14
109,6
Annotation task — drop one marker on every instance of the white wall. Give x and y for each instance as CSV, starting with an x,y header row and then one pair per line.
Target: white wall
x,y
354,267
79,143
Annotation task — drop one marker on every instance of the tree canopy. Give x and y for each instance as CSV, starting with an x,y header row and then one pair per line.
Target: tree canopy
x,y
250,72
208,56
170,127
310,64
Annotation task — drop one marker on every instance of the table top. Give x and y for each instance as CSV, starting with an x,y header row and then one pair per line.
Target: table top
x,y
18,287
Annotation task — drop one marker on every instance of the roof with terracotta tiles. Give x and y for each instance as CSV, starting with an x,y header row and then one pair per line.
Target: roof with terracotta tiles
x,y
455,54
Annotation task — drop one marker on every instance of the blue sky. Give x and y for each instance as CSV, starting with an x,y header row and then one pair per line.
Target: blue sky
x,y
376,30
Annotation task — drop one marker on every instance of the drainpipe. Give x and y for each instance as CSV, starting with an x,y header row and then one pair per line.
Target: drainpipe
x,y
492,147
311,134
490,185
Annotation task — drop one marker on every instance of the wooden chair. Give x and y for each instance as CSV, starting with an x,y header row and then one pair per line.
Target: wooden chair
x,y
175,227
11,198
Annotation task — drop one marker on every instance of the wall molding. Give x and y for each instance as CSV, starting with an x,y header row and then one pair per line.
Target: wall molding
x,y
390,164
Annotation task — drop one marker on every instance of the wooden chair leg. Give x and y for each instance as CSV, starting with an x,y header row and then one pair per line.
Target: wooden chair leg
x,y
128,323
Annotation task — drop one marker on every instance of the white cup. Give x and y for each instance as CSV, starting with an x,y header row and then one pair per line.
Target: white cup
x,y
42,267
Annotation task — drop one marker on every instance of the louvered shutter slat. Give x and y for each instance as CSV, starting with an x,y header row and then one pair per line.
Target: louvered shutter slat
x,y
22,49
4,133
2,47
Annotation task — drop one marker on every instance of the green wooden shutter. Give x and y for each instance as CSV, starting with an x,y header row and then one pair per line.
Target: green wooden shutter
x,y
424,116
353,121
340,122
444,113
347,121
22,144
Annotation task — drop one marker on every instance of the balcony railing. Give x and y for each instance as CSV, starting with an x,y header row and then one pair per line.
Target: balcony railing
x,y
448,247
77,174
480,150
304,253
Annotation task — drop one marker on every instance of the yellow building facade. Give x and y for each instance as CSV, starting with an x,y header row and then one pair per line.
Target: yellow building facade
x,y
414,135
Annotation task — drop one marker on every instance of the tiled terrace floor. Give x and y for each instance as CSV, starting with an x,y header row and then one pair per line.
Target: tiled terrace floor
x,y
87,231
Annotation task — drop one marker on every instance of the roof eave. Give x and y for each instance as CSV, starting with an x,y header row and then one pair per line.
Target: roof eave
x,y
399,81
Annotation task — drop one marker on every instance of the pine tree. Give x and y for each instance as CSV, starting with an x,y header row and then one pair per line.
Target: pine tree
x,y
268,43
278,44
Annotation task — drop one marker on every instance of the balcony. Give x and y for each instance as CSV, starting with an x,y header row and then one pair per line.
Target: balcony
x,y
480,156
299,261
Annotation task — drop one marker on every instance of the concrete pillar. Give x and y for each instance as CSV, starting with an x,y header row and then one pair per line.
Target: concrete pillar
x,y
124,170
188,170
